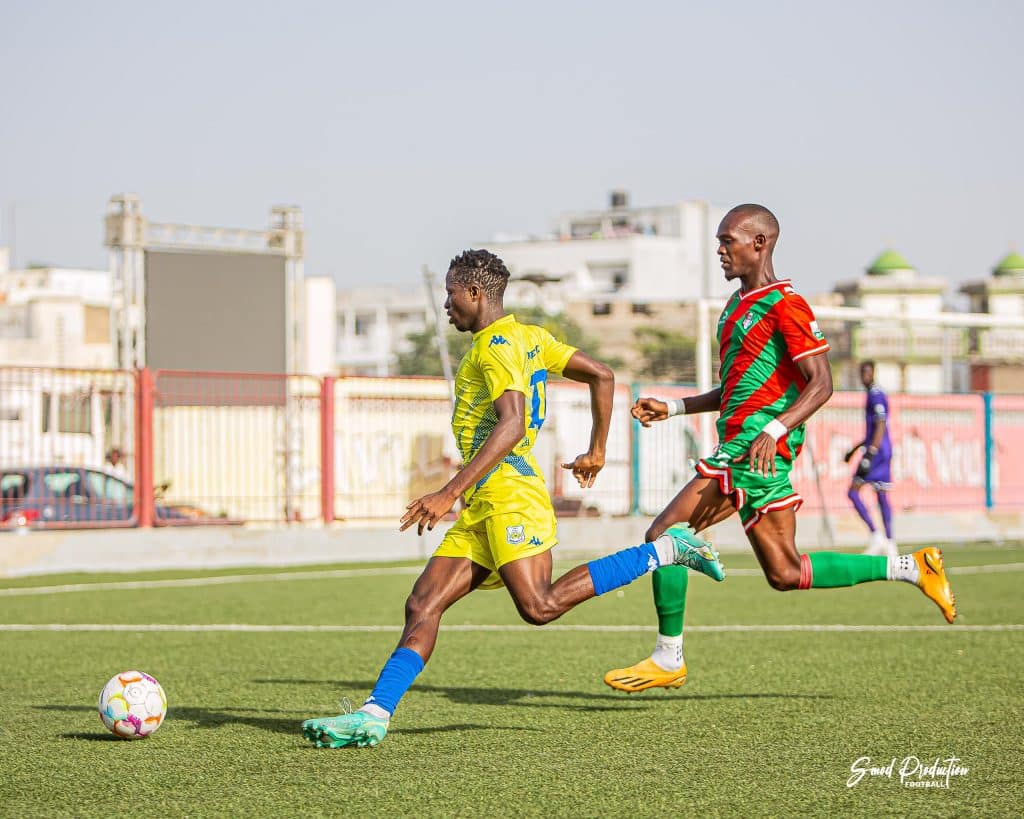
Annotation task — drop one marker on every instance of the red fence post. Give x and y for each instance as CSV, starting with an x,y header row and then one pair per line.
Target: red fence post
x,y
327,448
145,504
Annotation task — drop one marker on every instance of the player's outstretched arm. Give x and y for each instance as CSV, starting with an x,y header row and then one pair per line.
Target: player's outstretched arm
x,y
601,380
510,408
648,410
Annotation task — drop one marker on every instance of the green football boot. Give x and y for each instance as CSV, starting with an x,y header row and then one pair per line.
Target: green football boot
x,y
695,553
358,729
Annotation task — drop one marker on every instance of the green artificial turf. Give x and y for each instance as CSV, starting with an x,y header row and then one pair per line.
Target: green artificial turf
x,y
517,722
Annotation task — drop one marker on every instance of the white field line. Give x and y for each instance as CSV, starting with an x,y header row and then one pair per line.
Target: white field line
x,y
217,580
274,628
275,577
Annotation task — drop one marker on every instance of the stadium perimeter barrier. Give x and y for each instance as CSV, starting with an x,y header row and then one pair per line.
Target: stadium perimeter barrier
x,y
393,442
949,452
54,421
250,447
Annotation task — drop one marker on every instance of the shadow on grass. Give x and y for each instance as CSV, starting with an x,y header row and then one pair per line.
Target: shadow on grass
x,y
215,718
465,726
203,718
527,697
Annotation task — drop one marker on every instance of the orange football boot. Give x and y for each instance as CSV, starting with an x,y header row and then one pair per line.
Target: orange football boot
x,y
645,674
933,582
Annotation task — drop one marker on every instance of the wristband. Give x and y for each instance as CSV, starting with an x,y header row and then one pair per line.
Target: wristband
x,y
676,407
775,429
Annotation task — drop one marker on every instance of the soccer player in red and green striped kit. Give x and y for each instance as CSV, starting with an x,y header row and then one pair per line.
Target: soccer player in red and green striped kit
x,y
774,375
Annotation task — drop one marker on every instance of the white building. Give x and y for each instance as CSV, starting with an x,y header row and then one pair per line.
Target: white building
x,y
56,317
997,353
621,254
908,356
320,326
373,324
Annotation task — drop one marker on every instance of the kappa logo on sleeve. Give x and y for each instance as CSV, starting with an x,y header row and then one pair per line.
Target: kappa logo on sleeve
x,y
497,340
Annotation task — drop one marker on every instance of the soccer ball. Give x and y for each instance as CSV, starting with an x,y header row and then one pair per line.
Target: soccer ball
x,y
132,705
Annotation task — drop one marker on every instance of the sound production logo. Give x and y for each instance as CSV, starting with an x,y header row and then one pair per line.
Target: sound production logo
x,y
912,771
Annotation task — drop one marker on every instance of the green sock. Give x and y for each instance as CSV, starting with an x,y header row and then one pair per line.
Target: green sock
x,y
670,598
832,570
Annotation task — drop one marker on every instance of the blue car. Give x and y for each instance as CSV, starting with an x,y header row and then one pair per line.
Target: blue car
x,y
43,496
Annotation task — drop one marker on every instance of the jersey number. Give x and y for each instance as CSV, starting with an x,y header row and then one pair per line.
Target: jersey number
x,y
538,404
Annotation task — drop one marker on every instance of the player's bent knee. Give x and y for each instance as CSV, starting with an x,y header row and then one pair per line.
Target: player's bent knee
x,y
537,612
419,606
783,578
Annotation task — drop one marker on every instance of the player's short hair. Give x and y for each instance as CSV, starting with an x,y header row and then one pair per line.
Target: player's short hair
x,y
764,218
868,363
482,268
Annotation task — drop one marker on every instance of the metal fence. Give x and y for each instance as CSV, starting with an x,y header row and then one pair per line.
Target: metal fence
x,y
67,447
939,446
237,446
200,447
392,443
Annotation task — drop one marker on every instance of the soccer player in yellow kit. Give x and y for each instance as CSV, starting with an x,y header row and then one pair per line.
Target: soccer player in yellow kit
x,y
505,534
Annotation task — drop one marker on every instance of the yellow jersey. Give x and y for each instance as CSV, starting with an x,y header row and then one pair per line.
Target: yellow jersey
x,y
505,355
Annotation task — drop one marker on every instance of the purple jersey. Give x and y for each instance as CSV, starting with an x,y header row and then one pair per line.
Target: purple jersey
x,y
876,412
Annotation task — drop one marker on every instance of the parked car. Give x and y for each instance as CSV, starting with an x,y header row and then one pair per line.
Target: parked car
x,y
41,496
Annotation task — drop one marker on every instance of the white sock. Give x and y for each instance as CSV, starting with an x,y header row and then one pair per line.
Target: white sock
x,y
668,652
375,711
666,551
903,567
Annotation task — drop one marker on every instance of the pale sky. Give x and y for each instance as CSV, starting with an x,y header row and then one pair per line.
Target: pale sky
x,y
409,131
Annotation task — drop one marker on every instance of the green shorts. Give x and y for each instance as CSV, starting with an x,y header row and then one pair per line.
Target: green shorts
x,y
753,495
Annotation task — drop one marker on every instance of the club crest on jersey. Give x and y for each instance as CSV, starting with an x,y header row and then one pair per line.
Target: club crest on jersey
x,y
817,331
515,534
748,319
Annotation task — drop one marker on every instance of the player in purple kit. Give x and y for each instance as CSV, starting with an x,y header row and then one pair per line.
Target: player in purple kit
x,y
875,465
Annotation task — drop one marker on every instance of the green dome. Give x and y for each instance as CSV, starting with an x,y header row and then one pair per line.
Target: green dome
x,y
1012,263
887,262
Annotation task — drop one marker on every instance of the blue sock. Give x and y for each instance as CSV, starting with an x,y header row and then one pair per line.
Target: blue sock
x,y
623,567
395,678
883,505
862,510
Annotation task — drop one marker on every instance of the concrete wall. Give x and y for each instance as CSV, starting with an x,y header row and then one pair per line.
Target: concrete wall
x,y
136,550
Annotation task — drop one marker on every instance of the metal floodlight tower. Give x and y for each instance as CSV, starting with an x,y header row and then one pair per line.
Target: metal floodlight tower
x,y
287,236
125,236
129,235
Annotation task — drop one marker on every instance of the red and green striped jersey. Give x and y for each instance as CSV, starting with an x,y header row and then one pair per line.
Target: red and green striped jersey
x,y
761,337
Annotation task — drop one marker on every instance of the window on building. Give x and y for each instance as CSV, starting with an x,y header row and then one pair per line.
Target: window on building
x,y
642,309
601,308
44,426
74,413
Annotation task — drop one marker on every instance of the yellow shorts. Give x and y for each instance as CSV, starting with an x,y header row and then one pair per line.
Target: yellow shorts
x,y
507,522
